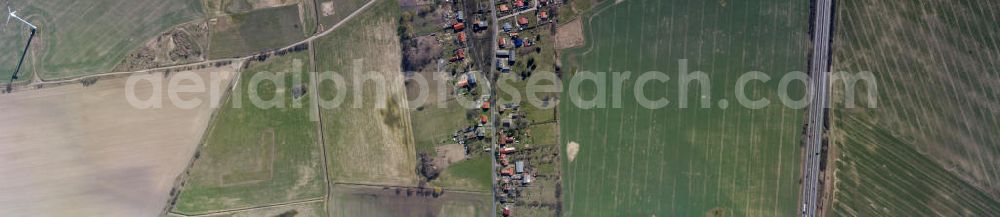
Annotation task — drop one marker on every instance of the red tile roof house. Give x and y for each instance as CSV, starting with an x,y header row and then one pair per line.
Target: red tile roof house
x,y
461,37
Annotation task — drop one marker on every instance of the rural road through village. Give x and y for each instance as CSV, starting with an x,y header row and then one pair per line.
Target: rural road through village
x,y
819,74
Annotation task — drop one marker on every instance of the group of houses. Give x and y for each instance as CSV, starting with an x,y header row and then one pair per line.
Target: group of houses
x,y
513,171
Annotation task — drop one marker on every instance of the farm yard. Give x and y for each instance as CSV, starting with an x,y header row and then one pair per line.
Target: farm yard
x,y
673,161
930,147
81,38
84,150
251,32
256,156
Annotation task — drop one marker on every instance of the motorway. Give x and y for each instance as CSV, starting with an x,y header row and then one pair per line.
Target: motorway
x,y
819,88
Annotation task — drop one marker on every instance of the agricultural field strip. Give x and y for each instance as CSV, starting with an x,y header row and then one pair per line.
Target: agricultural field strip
x,y
399,186
324,156
756,140
307,40
932,109
315,110
288,203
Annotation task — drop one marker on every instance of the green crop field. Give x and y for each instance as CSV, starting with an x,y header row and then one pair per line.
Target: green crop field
x,y
672,161
254,155
366,143
79,38
471,174
255,31
930,146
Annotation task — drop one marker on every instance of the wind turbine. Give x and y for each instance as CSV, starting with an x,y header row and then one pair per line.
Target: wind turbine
x,y
12,13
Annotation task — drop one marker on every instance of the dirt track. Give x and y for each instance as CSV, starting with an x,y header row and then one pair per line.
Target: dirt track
x,y
85,151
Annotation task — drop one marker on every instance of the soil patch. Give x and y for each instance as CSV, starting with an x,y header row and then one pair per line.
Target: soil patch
x,y
448,154
570,35
571,150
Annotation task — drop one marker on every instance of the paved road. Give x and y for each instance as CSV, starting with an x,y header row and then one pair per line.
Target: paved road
x,y
493,100
820,98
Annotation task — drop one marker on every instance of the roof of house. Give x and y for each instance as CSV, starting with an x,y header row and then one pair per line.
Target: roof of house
x,y
543,14
458,26
461,37
522,21
519,3
504,7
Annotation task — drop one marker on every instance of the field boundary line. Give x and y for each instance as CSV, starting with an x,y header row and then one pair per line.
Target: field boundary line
x,y
296,202
401,186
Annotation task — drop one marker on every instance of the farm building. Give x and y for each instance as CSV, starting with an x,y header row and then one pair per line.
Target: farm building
x,y
512,57
471,78
522,22
459,55
509,171
467,80
460,16
527,179
519,167
510,106
502,66
462,38
503,53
